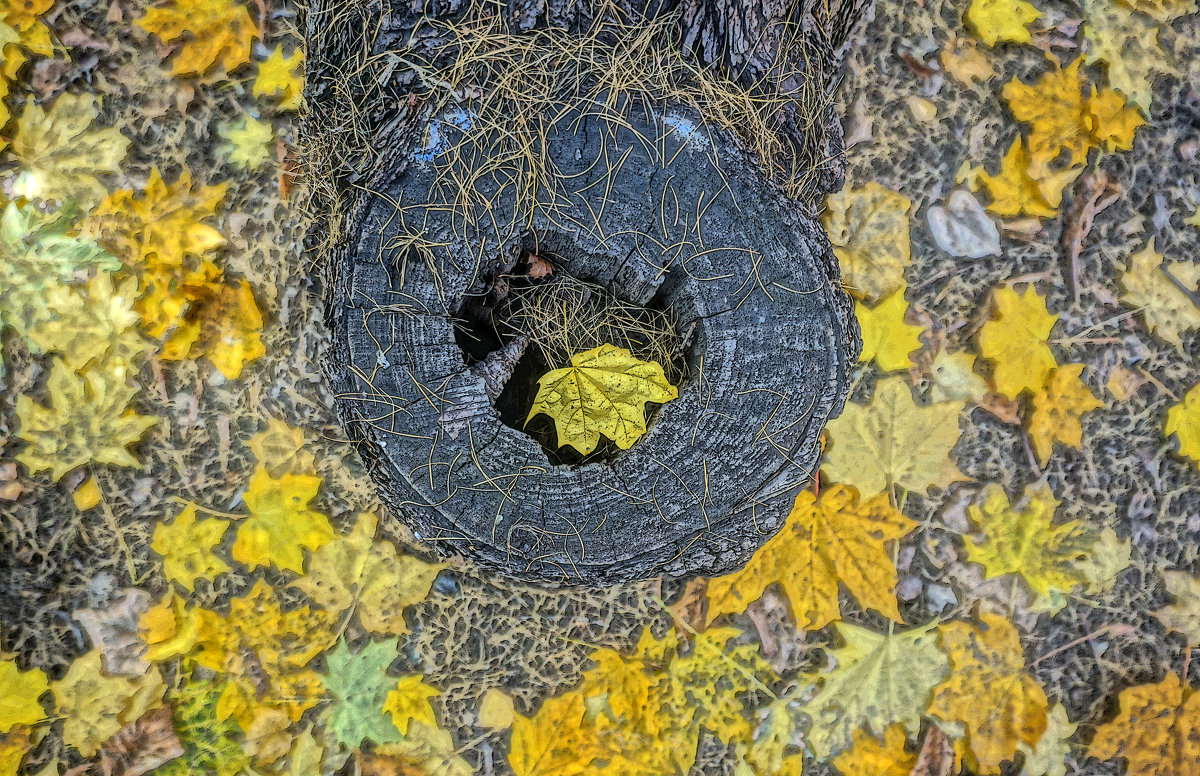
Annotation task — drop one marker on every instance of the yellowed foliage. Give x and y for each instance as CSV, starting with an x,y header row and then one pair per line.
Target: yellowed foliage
x,y
212,33
1183,420
91,703
1157,732
248,142
14,745
987,694
1053,107
1167,310
777,747
280,449
496,709
1058,409
996,21
893,441
887,338
19,694
952,378
187,547
87,420
410,702
827,541
1183,615
230,335
1015,190
869,755
62,154
965,63
280,522
355,571
869,230
91,325
1127,43
25,16
282,77
1111,121
268,736
1049,756
1016,341
603,393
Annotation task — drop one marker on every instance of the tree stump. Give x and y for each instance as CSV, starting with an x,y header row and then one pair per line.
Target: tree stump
x,y
455,187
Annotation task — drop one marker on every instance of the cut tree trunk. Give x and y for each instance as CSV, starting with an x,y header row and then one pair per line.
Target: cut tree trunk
x,y
647,199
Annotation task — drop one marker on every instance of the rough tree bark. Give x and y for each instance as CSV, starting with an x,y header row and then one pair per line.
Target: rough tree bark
x,y
651,199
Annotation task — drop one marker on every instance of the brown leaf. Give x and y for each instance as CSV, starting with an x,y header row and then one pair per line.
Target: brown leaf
x,y
142,746
689,607
1095,193
937,754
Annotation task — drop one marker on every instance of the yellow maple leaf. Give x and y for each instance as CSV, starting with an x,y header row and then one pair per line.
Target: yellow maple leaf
x,y
1162,10
1049,756
1025,541
280,449
88,420
836,538
268,735
552,742
887,338
879,680
777,746
90,326
186,546
355,571
91,703
60,153
1127,43
1157,732
283,77
987,695
25,16
14,745
1183,615
1058,409
1111,121
280,522
869,230
409,702
893,441
213,32
952,377
995,21
1016,341
1168,311
19,693
1015,191
1053,108
603,392
248,142
1183,420
869,755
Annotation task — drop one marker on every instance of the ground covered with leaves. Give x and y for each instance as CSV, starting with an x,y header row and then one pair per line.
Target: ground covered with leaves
x,y
997,572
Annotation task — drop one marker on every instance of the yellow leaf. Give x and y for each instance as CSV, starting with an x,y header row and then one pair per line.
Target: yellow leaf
x,y
61,154
603,392
283,77
777,747
496,710
249,142
996,21
952,378
232,337
280,449
1163,10
13,748
1157,732
886,337
214,32
1025,541
1182,616
1111,122
547,744
879,681
267,736
86,327
1168,311
187,547
987,693
965,63
869,755
280,522
1058,409
893,441
1127,43
1106,559
1015,340
90,703
355,571
86,495
868,227
837,538
1183,420
1049,757
19,693
304,758
24,16
410,701
1014,191
1054,110
88,420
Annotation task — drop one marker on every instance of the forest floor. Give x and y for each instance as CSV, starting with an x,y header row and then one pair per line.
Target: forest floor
x,y
184,526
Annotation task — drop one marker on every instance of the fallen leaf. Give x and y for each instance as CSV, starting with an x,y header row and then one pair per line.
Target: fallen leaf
x,y
142,746
248,142
937,756
230,332
213,32
1166,308
603,392
987,693
358,686
996,21
1162,10
1112,123
280,522
267,737
961,228
868,755
90,703
114,630
834,539
1014,191
887,339
186,547
893,441
427,749
304,758
496,710
1058,409
1182,616
1015,340
1105,561
87,420
965,63
409,701
282,77
1053,108
1183,420
90,326
19,693
869,230
952,378
281,449
87,495
1157,731
1127,43
880,681
1049,756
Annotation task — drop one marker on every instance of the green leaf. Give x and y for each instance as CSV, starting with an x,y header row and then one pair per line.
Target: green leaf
x,y
358,685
